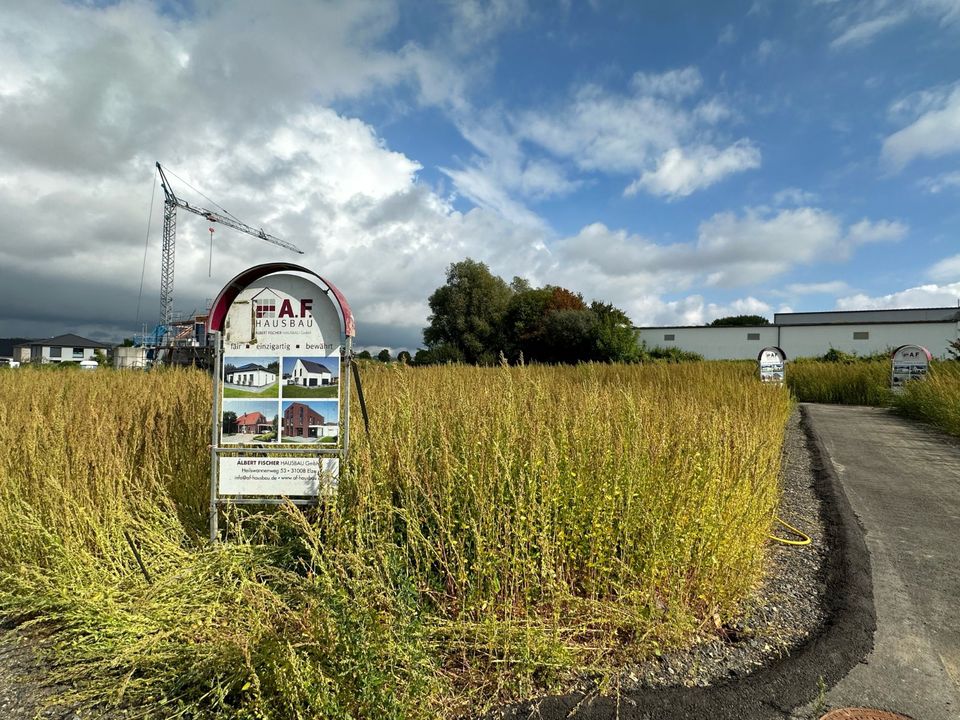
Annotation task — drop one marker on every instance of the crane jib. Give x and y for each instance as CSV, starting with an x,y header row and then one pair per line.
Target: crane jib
x,y
172,202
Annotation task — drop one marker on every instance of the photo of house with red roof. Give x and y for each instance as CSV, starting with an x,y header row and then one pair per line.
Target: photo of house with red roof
x,y
252,423
248,421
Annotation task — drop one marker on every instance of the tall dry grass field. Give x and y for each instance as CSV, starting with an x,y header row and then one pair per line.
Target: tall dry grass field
x,y
856,383
936,400
499,530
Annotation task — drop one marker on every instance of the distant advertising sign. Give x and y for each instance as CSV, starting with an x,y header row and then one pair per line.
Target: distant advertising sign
x,y
282,338
772,362
909,362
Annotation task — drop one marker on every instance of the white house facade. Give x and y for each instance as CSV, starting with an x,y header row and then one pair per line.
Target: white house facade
x,y
863,332
251,375
310,374
62,348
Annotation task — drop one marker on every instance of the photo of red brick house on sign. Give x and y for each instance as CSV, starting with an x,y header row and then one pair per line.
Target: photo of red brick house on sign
x,y
308,421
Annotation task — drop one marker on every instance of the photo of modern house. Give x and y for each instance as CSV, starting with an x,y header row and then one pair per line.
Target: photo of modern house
x,y
251,375
310,421
311,377
310,374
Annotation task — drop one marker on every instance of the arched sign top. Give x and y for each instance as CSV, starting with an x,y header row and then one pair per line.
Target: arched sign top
x,y
218,312
905,351
769,352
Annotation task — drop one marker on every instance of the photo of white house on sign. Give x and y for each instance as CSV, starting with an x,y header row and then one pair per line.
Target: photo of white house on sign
x,y
311,377
251,376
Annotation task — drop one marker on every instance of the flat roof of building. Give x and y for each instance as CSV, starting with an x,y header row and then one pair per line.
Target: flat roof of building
x,y
839,317
857,317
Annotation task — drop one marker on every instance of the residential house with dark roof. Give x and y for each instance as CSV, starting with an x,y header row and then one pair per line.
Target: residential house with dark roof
x,y
62,348
251,375
311,374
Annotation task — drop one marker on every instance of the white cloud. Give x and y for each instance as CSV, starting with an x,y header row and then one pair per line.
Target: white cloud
x,y
663,130
938,183
671,84
794,196
759,245
679,173
503,169
478,21
832,287
765,50
694,310
935,133
867,231
923,296
946,270
863,32
731,250
857,23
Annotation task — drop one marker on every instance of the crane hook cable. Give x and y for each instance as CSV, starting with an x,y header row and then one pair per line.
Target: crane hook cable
x,y
786,541
146,245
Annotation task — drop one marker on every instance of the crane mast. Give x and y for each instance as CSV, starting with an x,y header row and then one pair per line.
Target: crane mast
x,y
170,204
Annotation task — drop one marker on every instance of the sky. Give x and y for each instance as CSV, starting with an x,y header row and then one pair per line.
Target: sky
x,y
682,160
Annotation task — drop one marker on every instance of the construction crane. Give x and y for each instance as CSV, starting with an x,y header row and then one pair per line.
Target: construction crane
x,y
170,205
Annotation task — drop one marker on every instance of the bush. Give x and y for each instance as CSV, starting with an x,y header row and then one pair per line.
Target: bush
x,y
674,355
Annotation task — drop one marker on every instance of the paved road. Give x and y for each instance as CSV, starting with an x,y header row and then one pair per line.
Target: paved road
x,y
903,482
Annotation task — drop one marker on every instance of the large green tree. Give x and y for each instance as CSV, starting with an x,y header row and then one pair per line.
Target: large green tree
x,y
476,316
615,340
466,320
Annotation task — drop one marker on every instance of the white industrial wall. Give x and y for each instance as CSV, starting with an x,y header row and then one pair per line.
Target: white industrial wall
x,y
714,343
812,340
731,343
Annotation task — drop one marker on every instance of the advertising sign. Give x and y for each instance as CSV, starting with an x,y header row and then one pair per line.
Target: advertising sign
x,y
772,362
909,362
282,337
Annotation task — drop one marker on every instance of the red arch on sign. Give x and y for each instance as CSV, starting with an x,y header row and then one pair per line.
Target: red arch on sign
x,y
218,312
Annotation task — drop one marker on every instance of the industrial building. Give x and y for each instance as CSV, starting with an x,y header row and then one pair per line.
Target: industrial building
x,y
811,334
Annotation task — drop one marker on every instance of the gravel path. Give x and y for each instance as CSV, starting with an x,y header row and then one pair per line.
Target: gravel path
x,y
786,611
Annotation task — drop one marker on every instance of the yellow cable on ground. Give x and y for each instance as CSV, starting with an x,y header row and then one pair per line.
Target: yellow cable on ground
x,y
791,528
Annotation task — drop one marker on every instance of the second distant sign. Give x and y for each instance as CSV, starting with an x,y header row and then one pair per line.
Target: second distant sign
x,y
772,362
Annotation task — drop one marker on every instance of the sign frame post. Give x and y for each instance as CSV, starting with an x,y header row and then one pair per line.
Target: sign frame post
x,y
257,468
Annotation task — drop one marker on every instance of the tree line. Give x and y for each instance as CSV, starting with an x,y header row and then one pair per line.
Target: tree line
x,y
477,317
